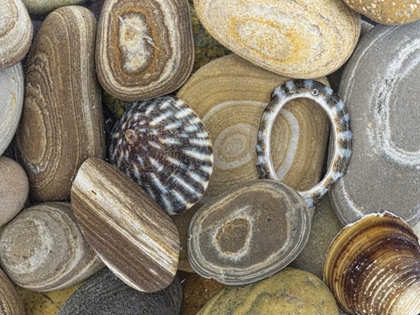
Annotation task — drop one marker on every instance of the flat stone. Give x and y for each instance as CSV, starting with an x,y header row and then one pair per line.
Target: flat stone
x,y
290,291
281,36
380,90
46,6
14,189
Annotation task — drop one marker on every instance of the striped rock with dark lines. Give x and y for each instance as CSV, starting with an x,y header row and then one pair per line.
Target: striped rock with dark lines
x,y
134,237
163,145
340,120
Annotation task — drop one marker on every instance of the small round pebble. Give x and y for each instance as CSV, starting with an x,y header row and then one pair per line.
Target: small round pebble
x,y
14,189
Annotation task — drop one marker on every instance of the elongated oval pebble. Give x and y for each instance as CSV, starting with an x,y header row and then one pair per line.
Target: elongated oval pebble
x,y
144,49
15,32
163,145
380,90
42,249
46,6
105,294
289,292
229,95
62,121
11,95
248,233
14,189
134,237
10,301
298,39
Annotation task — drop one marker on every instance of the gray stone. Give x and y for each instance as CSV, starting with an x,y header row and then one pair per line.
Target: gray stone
x,y
380,89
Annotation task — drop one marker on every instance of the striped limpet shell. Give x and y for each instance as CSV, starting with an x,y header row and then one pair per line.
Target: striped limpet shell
x,y
340,120
163,145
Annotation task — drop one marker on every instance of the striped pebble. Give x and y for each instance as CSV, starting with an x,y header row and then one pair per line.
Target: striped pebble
x,y
163,146
340,120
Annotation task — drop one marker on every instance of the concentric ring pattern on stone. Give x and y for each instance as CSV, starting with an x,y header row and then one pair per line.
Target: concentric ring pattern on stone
x,y
145,48
163,145
299,39
380,90
230,94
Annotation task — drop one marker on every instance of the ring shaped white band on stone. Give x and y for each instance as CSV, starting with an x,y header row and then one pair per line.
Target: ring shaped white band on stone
x,y
340,122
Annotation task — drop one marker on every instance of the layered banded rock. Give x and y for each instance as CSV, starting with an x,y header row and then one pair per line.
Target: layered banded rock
x,y
11,95
144,50
230,94
105,294
15,32
290,291
14,189
42,249
133,236
299,39
379,88
62,122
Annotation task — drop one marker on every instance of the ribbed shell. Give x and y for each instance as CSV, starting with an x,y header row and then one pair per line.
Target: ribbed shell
x,y
163,145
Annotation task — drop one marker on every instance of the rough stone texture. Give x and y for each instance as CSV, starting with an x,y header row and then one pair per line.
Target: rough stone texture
x,y
15,32
14,189
11,95
380,90
281,36
325,226
46,6
389,12
105,294
289,292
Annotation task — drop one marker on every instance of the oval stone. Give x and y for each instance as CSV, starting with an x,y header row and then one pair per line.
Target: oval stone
x,y
46,6
11,95
62,120
248,233
291,291
306,39
42,249
15,33
10,301
105,294
380,90
144,49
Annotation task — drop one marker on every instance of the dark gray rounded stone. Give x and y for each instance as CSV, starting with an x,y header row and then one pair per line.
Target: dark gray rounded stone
x,y
105,294
380,88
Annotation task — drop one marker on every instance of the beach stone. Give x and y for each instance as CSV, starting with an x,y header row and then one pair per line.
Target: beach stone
x,y
14,189
325,226
11,96
229,94
46,6
10,302
393,12
105,294
42,249
281,36
289,292
15,33
380,90
197,292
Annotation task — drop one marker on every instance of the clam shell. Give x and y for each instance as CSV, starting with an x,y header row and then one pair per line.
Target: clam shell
x,y
145,48
373,267
11,95
62,120
164,147
15,32
132,235
230,94
42,249
248,233
105,294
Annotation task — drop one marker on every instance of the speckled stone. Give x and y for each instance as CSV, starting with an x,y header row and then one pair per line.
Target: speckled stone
x,y
105,294
389,12
325,226
45,6
289,292
14,189
380,90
